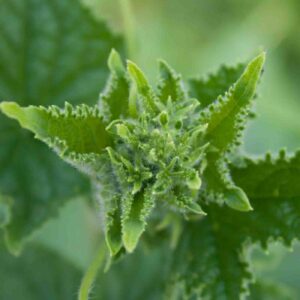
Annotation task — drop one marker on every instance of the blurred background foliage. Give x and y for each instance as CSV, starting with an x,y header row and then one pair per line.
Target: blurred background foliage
x,y
195,37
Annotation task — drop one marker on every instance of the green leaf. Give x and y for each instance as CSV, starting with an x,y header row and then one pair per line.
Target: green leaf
x,y
224,117
143,88
56,127
209,89
37,274
268,290
113,233
50,51
226,120
114,100
206,262
219,269
237,199
146,272
134,219
170,84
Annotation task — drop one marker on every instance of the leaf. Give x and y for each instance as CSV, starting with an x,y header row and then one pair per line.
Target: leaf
x,y
170,84
113,233
223,118
56,127
146,272
268,290
114,100
237,199
37,274
208,90
214,270
226,119
134,220
50,51
219,269
143,88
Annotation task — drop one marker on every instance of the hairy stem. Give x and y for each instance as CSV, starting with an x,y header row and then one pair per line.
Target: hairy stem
x,y
91,274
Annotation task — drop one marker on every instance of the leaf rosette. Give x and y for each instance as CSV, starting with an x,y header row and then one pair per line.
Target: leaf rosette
x,y
144,147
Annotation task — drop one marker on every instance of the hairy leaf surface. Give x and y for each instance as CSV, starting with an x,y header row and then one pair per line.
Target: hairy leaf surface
x,y
226,119
207,90
114,100
219,269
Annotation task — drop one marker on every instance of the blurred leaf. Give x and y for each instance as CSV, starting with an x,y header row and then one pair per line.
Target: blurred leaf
x,y
268,261
51,51
37,274
269,290
144,268
74,234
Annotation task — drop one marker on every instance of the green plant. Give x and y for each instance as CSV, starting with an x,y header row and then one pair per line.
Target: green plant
x,y
147,149
167,172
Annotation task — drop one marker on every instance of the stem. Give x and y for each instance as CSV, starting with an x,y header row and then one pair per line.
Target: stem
x,y
91,274
129,25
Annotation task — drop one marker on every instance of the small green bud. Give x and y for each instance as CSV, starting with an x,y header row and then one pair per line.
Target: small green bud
x,y
164,118
237,199
136,187
115,63
122,131
194,182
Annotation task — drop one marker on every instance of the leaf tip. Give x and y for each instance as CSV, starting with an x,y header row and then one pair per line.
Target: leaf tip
x,y
10,109
115,63
113,245
137,75
258,62
131,235
196,208
237,199
261,58
164,68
